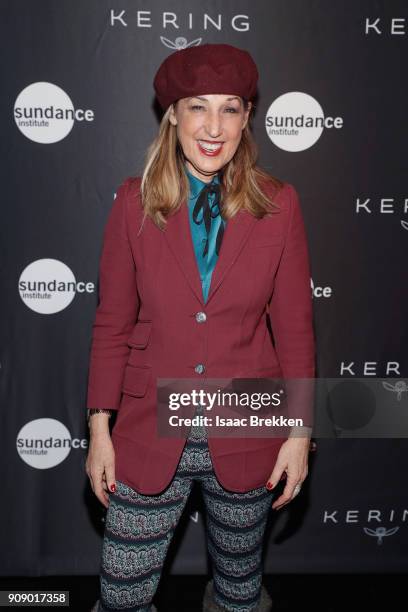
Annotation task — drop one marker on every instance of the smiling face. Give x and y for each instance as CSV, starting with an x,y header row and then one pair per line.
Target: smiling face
x,y
209,129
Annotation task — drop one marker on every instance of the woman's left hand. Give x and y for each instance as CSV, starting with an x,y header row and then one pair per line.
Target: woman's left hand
x,y
292,459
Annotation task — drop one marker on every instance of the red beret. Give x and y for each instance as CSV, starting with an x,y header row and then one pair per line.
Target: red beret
x,y
205,69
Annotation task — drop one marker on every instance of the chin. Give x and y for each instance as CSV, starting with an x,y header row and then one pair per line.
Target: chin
x,y
208,165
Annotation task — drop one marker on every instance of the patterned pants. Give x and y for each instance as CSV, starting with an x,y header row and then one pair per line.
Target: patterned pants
x,y
139,529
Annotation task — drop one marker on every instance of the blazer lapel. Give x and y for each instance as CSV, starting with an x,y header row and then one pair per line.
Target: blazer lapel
x,y
178,236
179,240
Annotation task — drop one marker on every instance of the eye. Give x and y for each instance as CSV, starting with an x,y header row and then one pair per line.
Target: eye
x,y
229,109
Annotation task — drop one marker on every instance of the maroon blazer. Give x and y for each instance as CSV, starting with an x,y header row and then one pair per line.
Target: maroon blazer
x,y
145,328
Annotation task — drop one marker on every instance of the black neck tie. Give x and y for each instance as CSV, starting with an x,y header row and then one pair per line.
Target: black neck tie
x,y
209,213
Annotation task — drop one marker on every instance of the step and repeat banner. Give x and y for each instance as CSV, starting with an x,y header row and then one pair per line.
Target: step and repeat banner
x,y
77,115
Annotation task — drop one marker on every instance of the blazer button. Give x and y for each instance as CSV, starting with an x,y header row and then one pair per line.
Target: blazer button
x,y
200,317
199,368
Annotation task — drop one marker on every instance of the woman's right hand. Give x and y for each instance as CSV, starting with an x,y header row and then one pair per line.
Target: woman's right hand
x,y
100,465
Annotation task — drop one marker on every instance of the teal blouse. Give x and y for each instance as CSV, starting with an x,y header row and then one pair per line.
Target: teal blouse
x,y
199,235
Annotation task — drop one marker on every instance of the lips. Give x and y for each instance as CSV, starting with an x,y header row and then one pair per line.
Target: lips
x,y
209,148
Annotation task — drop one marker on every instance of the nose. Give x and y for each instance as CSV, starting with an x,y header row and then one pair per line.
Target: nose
x,y
213,124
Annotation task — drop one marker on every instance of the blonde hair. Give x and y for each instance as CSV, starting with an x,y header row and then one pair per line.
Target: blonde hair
x,y
165,185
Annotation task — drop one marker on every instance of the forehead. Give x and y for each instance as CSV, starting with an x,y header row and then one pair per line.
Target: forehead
x,y
214,97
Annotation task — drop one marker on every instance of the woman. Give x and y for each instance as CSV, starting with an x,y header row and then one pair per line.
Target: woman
x,y
197,256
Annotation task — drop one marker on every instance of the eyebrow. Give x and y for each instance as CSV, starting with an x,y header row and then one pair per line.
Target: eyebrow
x,y
206,99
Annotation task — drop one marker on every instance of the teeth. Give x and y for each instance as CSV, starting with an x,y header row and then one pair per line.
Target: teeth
x,y
209,146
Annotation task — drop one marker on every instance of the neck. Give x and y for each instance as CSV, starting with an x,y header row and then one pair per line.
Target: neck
x,y
205,178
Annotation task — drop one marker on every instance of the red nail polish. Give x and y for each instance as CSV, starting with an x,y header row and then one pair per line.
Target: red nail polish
x,y
269,485
113,488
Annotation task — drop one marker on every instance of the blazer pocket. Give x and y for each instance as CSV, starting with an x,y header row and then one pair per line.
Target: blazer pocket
x,y
135,380
140,335
268,242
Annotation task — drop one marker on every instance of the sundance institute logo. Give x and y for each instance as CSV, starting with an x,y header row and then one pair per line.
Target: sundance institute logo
x,y
45,443
48,286
44,113
295,121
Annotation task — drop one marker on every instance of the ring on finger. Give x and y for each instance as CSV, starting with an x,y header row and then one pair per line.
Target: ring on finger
x,y
296,490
